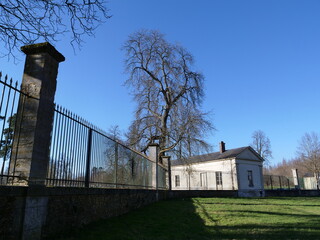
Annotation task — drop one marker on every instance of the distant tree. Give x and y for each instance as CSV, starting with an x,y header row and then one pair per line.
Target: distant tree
x,y
112,153
115,133
261,144
28,21
193,143
309,152
6,142
284,168
168,92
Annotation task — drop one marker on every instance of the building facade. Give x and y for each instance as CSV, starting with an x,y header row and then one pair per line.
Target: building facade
x,y
235,169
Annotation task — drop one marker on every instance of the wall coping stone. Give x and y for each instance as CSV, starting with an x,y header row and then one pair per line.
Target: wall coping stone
x,y
43,48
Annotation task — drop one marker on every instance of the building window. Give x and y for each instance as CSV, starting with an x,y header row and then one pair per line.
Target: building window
x,y
219,178
250,178
177,180
203,179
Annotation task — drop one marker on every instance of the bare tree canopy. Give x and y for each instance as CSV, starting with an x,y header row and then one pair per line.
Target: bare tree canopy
x,y
25,22
309,152
261,144
168,93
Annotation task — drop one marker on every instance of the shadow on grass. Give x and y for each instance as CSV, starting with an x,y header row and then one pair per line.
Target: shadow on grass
x,y
189,219
162,220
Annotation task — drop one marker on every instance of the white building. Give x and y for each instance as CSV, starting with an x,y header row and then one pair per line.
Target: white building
x,y
235,169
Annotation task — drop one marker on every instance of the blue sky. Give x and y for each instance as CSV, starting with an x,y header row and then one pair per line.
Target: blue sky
x,y
260,59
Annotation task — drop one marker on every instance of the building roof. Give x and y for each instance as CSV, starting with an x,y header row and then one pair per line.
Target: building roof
x,y
231,153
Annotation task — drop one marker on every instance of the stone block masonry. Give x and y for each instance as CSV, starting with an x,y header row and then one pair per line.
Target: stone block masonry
x,y
38,212
35,114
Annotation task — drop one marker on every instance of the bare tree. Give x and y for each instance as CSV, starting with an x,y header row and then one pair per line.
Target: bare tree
x,y
284,168
261,144
28,21
115,133
309,152
168,93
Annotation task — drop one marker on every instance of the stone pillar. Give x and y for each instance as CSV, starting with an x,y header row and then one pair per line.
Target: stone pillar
x,y
166,161
295,178
30,152
153,150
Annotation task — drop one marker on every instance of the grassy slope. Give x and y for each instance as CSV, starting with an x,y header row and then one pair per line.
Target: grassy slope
x,y
213,218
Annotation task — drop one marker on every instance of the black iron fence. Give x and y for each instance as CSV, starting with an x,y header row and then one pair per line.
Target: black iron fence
x,y
82,155
277,182
8,108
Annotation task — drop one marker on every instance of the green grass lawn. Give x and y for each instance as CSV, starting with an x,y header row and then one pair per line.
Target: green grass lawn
x,y
213,218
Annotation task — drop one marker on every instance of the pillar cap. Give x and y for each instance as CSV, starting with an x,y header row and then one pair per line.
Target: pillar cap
x,y
43,48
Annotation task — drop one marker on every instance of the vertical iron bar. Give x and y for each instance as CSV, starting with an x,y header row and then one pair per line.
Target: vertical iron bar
x,y
3,126
79,152
271,182
84,136
53,148
102,178
100,160
280,182
61,149
95,158
13,105
116,157
3,92
87,178
67,150
93,163
57,146
74,144
10,126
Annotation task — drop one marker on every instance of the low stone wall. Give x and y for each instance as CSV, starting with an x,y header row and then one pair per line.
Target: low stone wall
x,y
292,193
38,212
12,205
73,208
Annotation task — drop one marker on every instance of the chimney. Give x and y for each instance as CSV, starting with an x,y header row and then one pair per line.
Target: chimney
x,y
222,147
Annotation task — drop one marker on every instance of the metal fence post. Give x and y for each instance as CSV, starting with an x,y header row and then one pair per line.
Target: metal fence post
x,y
280,182
116,159
87,177
271,182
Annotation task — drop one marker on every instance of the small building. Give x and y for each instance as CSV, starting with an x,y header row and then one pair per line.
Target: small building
x,y
234,169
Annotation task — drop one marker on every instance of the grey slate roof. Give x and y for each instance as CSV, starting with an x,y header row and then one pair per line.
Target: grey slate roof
x,y
231,153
